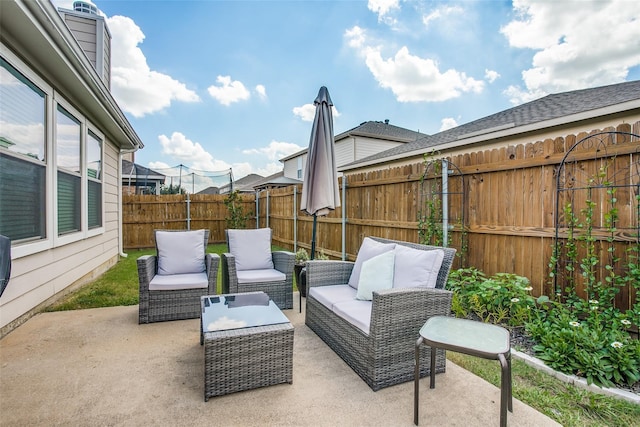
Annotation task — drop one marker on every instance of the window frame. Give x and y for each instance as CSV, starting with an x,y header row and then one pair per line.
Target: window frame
x,y
52,99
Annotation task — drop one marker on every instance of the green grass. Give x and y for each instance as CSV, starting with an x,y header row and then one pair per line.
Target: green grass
x,y
565,403
568,405
119,285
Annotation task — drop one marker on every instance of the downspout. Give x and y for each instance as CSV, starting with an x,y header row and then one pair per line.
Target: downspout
x,y
120,231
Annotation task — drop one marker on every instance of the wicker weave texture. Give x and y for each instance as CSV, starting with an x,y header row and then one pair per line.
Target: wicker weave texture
x,y
160,306
386,355
281,292
243,359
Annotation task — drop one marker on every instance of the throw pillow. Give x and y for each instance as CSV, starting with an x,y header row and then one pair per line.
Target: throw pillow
x,y
368,250
376,275
416,267
180,252
251,248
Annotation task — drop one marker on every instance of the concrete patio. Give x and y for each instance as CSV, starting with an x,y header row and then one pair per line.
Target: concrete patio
x,y
99,367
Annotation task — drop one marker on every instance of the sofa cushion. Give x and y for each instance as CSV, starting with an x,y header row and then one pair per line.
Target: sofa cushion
x,y
178,281
263,275
330,295
416,267
251,248
368,249
376,274
180,252
356,312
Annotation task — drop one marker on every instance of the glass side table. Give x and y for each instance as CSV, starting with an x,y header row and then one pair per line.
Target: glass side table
x,y
469,337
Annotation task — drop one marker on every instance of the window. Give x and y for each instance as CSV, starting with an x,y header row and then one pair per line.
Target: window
x,y
51,164
300,167
94,180
22,156
69,177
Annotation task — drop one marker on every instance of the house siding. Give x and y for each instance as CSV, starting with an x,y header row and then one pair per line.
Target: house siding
x,y
46,269
40,279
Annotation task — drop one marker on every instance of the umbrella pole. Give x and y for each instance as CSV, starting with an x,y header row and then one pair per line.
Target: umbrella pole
x,y
313,237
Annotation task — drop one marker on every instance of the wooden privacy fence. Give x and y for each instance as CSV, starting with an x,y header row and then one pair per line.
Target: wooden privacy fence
x,y
501,209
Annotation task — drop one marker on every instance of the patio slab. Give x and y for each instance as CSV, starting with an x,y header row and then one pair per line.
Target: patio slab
x,y
99,367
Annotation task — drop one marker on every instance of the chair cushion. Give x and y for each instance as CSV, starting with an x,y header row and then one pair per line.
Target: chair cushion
x,y
368,249
251,248
180,252
356,312
263,275
376,274
416,267
178,281
330,295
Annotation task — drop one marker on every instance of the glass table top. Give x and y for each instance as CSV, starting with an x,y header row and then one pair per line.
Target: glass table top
x,y
468,334
224,312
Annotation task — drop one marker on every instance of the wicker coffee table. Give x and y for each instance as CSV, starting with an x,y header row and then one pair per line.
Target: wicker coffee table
x,y
248,343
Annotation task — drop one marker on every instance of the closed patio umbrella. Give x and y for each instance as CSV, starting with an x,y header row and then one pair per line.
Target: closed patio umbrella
x,y
320,193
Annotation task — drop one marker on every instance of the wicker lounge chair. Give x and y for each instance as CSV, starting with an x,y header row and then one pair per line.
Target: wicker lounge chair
x,y
385,355
175,295
251,266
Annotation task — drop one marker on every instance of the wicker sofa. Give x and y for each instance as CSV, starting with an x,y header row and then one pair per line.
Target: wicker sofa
x,y
382,352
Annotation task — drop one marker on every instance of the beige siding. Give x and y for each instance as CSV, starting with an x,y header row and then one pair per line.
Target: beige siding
x,y
106,58
365,147
344,152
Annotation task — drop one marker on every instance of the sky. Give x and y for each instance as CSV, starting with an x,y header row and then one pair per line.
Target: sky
x,y
217,85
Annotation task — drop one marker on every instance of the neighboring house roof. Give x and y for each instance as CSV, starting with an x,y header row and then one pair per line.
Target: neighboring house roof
x,y
551,110
134,171
244,184
275,180
375,130
209,190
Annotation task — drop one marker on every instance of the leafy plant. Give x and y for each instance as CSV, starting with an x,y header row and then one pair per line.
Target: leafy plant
x,y
237,218
593,345
301,256
502,298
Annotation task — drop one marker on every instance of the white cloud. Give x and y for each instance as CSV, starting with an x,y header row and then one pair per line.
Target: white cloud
x,y
577,47
383,7
262,91
440,13
190,153
448,123
275,150
193,155
138,89
411,78
229,92
307,112
491,75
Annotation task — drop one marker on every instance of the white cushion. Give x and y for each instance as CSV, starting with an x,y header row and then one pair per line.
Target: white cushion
x,y
330,295
415,267
266,275
369,249
180,252
356,312
178,281
251,248
376,275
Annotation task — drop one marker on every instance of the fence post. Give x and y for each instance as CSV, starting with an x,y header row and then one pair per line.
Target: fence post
x,y
445,202
344,217
188,212
257,208
267,211
295,218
